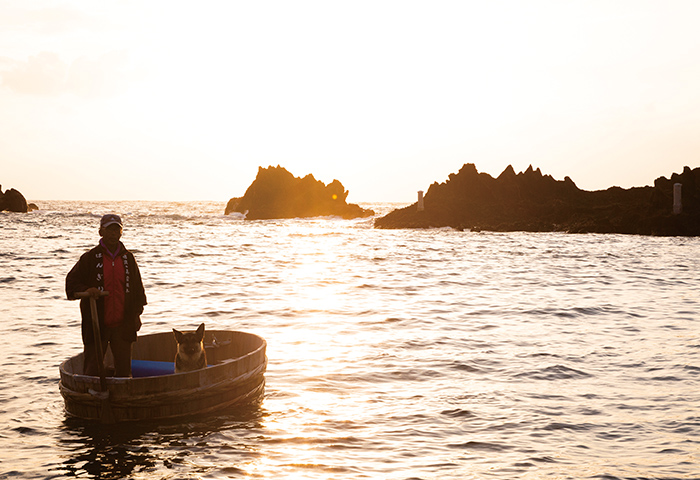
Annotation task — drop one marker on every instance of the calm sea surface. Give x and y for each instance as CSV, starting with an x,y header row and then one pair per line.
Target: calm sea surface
x,y
393,354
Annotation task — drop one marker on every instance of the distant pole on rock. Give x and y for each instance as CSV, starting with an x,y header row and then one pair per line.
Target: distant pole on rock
x,y
421,206
677,202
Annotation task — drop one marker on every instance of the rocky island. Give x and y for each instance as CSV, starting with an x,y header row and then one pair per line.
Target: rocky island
x,y
13,201
276,193
532,202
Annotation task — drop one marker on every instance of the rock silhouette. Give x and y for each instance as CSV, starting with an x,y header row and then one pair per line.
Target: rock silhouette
x,y
530,201
276,193
13,201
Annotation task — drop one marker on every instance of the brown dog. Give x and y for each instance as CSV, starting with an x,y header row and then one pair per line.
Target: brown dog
x,y
190,350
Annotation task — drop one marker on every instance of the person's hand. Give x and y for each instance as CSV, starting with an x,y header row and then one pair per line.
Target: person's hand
x,y
94,292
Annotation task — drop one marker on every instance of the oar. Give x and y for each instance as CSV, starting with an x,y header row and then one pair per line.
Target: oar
x,y
103,395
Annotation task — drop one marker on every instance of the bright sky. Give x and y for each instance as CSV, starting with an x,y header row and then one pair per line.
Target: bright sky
x,y
162,100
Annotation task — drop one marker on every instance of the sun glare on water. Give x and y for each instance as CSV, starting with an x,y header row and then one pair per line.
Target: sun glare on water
x,y
323,354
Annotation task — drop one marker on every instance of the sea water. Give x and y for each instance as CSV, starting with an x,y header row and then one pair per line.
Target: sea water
x,y
397,354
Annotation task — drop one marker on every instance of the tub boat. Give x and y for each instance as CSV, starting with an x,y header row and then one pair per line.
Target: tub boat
x,y
234,377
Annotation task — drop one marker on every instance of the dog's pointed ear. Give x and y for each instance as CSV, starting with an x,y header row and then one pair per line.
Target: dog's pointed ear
x,y
178,336
200,332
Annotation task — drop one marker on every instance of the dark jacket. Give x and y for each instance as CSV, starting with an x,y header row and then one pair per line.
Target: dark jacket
x,y
88,272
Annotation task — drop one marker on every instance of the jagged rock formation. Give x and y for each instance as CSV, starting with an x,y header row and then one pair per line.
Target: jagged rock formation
x,y
276,193
12,201
530,201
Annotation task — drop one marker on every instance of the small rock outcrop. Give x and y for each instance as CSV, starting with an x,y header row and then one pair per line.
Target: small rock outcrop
x,y
530,201
276,193
12,201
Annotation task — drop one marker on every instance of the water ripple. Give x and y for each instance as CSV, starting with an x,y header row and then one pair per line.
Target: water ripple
x,y
392,354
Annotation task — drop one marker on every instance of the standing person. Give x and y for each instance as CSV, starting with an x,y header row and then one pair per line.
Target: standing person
x,y
109,267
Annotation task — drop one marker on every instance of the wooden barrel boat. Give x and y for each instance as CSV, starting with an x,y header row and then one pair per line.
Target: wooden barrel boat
x,y
235,376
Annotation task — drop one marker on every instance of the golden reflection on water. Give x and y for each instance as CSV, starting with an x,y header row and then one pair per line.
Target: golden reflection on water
x,y
321,354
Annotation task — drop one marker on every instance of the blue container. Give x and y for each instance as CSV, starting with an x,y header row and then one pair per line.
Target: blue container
x,y
149,368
